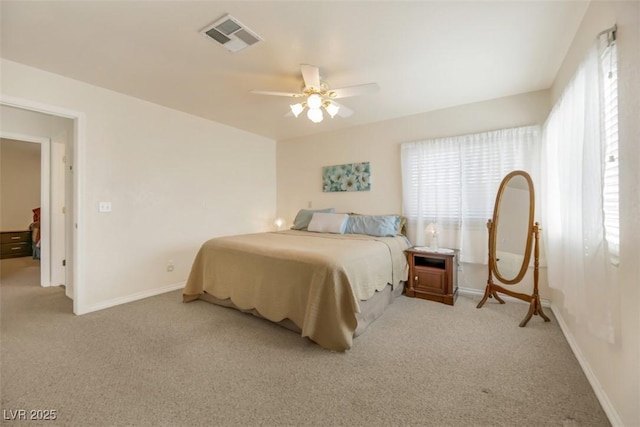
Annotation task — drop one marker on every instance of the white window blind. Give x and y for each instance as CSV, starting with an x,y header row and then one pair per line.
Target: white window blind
x,y
487,160
610,185
431,175
452,182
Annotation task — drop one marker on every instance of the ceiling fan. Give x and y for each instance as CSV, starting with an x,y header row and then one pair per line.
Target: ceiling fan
x,y
317,95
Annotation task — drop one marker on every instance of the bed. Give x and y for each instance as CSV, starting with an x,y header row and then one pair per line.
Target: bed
x,y
327,286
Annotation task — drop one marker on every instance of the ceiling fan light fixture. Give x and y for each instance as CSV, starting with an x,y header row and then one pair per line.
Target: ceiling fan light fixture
x,y
314,101
316,95
332,109
315,114
296,109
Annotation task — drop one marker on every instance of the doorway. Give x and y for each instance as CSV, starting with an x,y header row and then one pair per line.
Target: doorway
x,y
25,199
33,178
67,142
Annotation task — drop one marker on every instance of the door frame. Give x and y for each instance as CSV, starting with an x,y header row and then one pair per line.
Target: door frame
x,y
77,231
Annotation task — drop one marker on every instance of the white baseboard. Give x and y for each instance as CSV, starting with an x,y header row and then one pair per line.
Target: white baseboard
x,y
134,297
608,408
471,292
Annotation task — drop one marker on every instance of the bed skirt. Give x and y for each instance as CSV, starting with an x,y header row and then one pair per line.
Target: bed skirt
x,y
370,309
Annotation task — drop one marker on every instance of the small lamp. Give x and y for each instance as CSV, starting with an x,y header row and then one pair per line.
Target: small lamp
x,y
279,222
432,233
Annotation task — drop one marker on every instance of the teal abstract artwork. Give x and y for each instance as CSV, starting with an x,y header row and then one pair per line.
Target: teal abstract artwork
x,y
348,177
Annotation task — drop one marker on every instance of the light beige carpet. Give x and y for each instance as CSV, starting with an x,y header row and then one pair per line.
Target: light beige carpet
x,y
161,362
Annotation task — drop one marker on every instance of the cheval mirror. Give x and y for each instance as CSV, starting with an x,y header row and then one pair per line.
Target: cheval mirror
x,y
511,231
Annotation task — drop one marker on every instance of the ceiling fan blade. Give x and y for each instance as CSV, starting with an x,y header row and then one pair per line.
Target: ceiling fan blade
x,y
269,92
346,92
311,76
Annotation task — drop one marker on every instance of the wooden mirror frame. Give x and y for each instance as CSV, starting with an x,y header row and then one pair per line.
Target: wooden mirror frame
x,y
491,291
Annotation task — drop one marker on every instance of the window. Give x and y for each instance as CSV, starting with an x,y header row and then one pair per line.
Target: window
x,y
452,182
580,223
609,65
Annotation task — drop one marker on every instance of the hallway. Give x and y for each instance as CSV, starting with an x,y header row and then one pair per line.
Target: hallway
x,y
21,295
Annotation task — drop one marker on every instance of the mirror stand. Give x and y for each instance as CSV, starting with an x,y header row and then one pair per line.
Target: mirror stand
x,y
491,291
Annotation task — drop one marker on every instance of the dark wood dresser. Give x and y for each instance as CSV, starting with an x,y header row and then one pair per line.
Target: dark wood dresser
x,y
15,244
433,275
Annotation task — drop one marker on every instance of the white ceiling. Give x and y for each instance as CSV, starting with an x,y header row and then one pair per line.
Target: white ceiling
x,y
425,55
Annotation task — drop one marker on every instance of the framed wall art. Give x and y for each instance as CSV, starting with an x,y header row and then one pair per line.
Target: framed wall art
x,y
348,177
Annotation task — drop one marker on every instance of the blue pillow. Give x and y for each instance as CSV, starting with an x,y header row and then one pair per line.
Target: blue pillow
x,y
373,225
304,217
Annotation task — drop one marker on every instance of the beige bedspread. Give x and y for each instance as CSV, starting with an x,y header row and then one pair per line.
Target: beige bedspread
x,y
314,279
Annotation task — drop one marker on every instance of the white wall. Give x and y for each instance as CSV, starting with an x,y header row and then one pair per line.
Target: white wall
x,y
300,161
174,180
19,183
616,367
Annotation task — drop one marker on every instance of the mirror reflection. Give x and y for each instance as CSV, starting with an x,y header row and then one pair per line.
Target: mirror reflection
x,y
512,228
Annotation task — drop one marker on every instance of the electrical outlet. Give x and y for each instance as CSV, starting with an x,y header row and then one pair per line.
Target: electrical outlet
x,y
104,207
170,266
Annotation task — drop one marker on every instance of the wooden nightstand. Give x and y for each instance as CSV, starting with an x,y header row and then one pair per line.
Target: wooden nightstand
x,y
433,275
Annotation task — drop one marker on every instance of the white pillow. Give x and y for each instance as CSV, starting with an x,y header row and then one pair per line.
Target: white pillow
x,y
328,222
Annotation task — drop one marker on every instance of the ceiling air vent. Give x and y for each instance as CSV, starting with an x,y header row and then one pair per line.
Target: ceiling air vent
x,y
231,34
